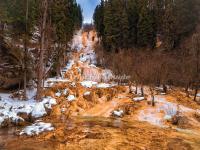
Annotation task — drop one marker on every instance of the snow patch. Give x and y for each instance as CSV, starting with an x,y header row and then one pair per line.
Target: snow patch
x,y
163,110
11,108
137,99
118,113
87,93
88,84
103,85
37,128
58,94
39,110
51,81
71,98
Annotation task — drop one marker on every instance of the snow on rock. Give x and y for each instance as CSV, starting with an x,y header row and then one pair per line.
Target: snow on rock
x,y
162,93
39,110
65,92
37,128
87,93
88,84
49,102
63,110
1,120
91,57
118,113
73,84
71,98
103,85
10,109
107,75
69,65
167,117
51,81
137,99
58,94
92,65
198,95
77,41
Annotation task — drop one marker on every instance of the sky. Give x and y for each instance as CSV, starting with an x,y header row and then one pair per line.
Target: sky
x,y
88,7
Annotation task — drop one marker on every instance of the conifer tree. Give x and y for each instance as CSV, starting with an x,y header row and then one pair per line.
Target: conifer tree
x,y
180,19
146,26
99,19
133,18
124,24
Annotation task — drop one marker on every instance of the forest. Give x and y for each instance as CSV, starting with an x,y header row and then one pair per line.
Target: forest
x,y
157,41
39,33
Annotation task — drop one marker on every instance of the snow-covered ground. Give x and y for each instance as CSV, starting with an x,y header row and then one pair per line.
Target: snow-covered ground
x,y
138,99
77,41
163,110
37,128
11,109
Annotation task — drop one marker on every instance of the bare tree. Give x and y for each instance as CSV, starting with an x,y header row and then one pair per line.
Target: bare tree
x,y
25,49
196,54
42,50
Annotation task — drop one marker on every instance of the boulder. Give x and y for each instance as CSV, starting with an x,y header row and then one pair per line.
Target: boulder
x,y
180,121
5,123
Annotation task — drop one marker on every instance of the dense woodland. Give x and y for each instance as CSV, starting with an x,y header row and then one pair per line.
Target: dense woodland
x,y
157,42
34,38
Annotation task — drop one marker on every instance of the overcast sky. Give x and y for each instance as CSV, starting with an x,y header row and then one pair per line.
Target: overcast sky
x,y
88,7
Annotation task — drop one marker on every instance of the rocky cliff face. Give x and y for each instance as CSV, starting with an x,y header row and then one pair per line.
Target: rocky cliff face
x,y
10,66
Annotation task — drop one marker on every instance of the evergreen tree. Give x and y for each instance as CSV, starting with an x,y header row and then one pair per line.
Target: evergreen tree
x,y
66,18
111,23
133,18
180,19
99,19
146,26
124,25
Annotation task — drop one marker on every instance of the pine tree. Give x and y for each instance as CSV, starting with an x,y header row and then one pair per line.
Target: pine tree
x,y
111,26
180,19
146,26
133,18
124,25
99,19
66,18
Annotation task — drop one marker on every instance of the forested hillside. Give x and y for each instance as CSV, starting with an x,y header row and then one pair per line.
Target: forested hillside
x,y
156,42
38,34
126,24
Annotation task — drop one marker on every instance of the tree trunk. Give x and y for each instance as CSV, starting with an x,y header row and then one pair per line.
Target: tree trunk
x,y
25,49
130,85
136,89
195,94
187,91
152,97
41,56
164,88
142,90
